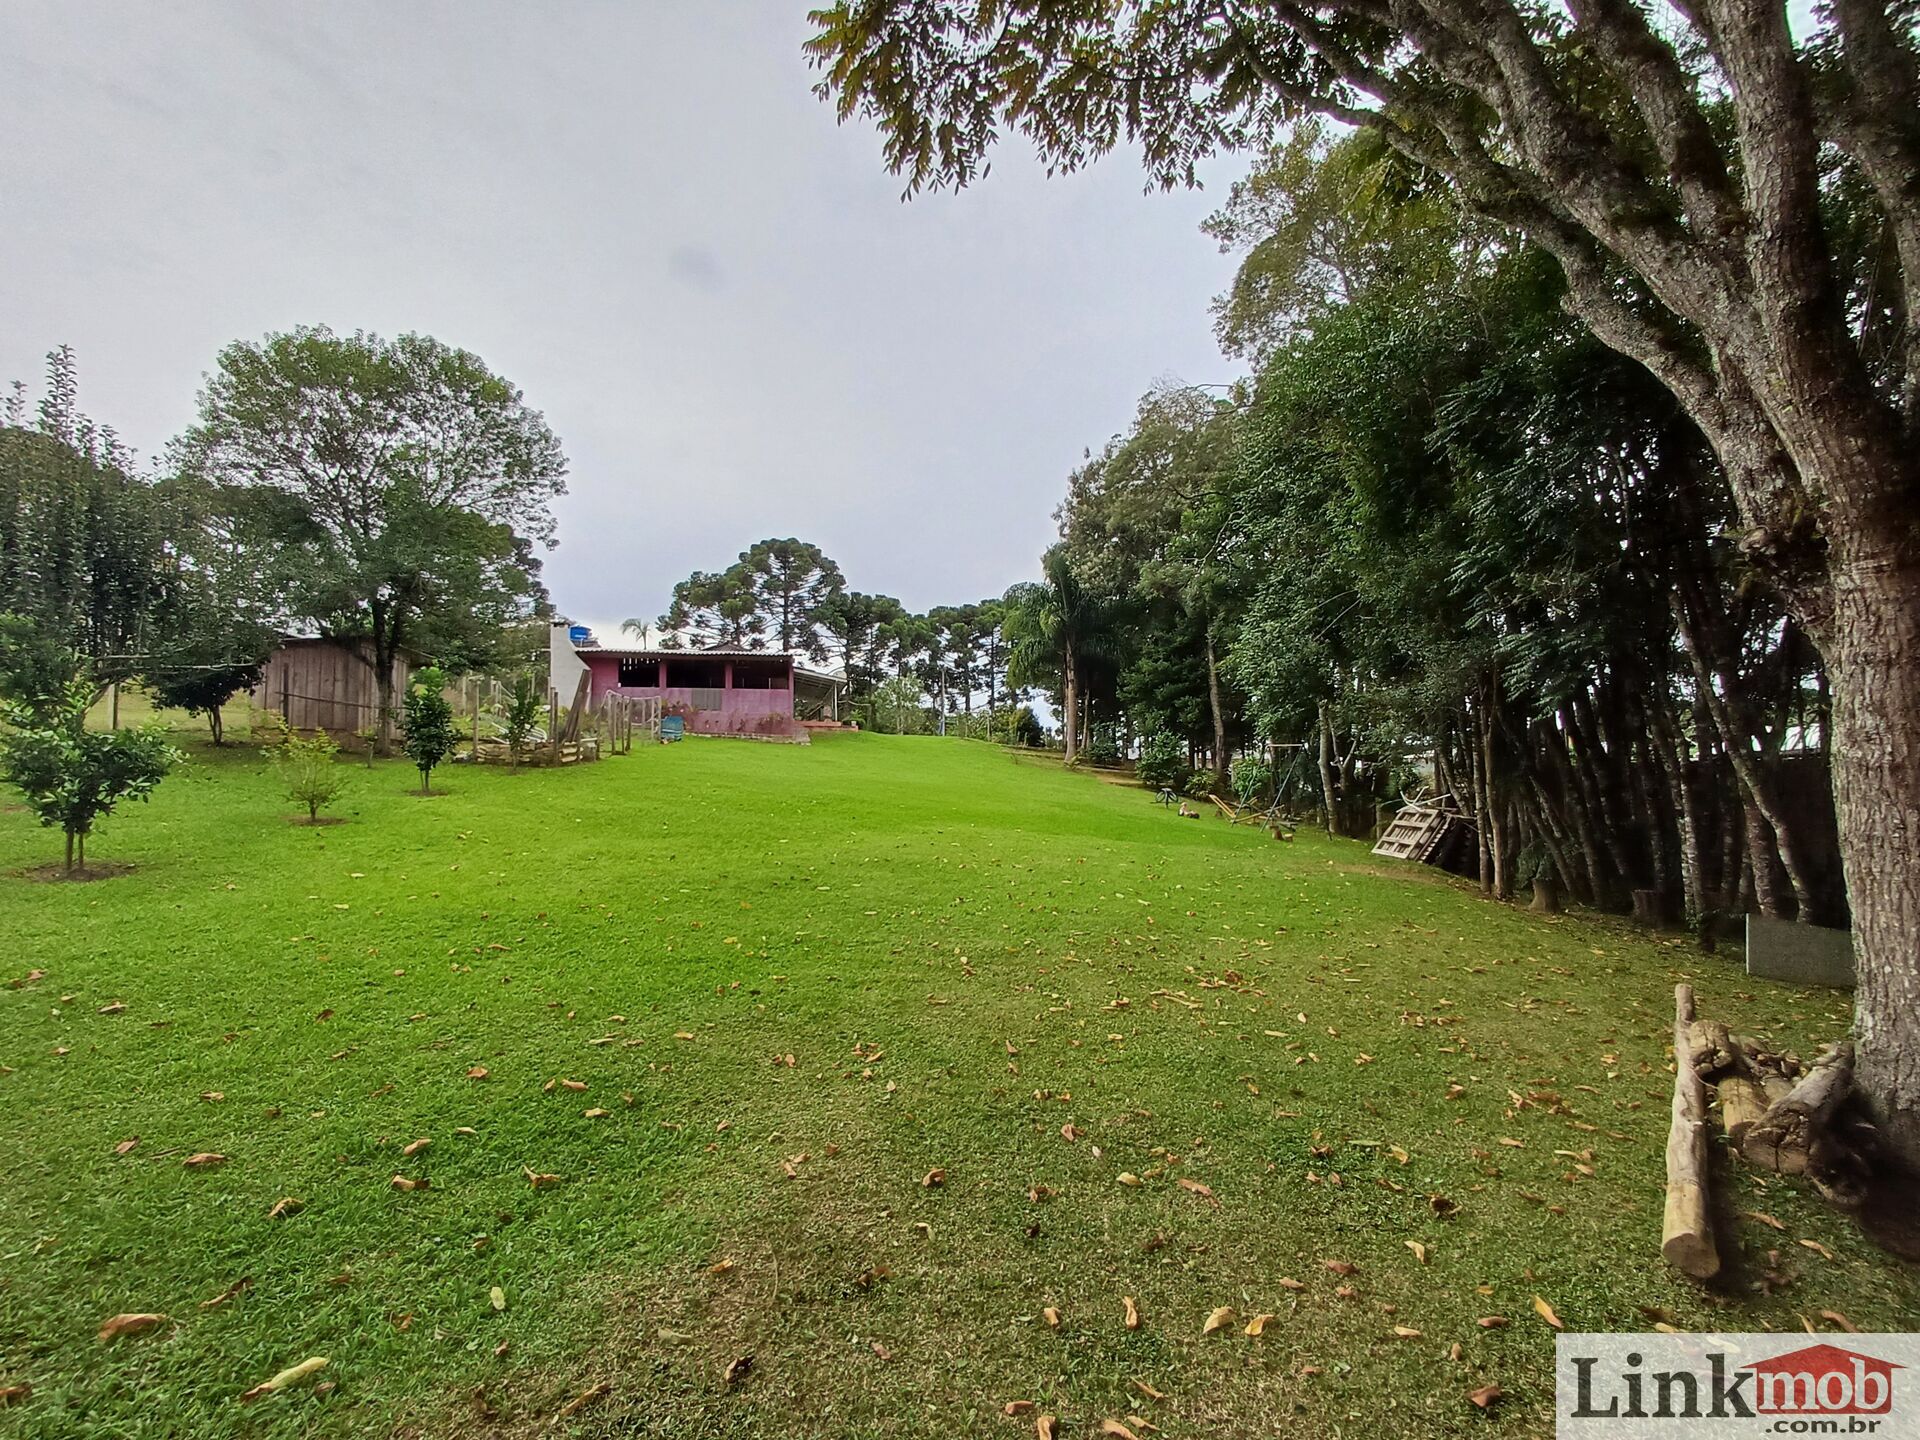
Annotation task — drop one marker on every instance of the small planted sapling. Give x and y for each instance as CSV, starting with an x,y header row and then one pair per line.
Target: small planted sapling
x,y
307,769
428,723
522,716
71,776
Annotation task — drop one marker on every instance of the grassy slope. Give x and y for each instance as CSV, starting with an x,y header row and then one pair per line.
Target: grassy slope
x,y
1026,948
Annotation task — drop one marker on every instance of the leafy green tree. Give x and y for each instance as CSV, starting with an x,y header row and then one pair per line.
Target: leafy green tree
x,y
427,722
715,608
1679,166
395,488
82,538
1057,628
72,777
794,586
857,625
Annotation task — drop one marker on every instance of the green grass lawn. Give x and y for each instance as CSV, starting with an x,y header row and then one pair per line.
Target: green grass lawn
x,y
795,983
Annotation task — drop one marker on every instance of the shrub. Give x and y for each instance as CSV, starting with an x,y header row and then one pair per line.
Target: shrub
x,y
522,715
306,768
1102,748
428,722
1199,783
1251,778
1163,761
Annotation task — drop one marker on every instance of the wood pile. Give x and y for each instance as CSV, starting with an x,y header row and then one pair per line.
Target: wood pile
x,y
1779,1115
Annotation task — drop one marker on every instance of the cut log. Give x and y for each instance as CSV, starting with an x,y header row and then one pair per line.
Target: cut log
x,y
1742,1102
1783,1138
1686,1237
1777,1086
1710,1047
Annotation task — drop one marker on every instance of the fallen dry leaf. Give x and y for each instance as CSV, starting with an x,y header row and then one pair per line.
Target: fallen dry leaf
x,y
232,1292
286,1205
1842,1321
1341,1267
737,1369
407,1152
1258,1324
1071,1132
1822,1251
15,1395
292,1375
126,1146
137,1323
1546,1313
1016,1407
934,1178
1050,1317
576,1086
720,1267
1485,1396
478,1072
1127,1177
1147,1390
1492,1322
1205,1192
594,1112
1287,1282
1764,1219
497,1298
1116,1430
1217,1319
117,1007
1132,1320
536,1178
1419,1250
585,1398
1406,1332
401,1182
1043,1427
205,1160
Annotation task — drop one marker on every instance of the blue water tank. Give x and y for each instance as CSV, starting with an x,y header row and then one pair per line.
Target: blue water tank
x,y
579,635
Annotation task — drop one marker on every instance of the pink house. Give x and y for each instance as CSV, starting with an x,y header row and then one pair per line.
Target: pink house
x,y
764,694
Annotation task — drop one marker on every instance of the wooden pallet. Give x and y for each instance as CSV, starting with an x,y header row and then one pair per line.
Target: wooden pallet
x,y
1415,834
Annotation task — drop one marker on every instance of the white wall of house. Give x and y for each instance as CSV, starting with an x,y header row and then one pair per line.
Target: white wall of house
x,y
564,665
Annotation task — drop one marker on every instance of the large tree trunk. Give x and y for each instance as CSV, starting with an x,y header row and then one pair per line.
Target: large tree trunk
x,y
1219,718
1070,710
1329,793
1872,651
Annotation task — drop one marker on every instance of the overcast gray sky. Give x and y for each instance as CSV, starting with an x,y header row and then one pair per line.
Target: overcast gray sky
x,y
636,211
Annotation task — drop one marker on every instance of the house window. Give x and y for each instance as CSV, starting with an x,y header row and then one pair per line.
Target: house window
x,y
692,674
747,675
639,674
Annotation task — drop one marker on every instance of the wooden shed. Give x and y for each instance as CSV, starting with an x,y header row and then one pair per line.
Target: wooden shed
x,y
320,683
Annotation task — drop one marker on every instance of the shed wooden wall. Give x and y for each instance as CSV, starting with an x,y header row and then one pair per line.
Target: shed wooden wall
x,y
325,685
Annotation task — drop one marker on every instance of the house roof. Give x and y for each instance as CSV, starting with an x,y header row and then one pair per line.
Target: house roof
x,y
641,652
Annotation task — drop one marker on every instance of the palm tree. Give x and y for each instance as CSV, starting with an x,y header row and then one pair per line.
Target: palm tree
x,y
1053,627
638,627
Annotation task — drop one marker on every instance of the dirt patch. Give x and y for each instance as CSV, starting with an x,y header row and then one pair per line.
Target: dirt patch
x,y
316,820
79,875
